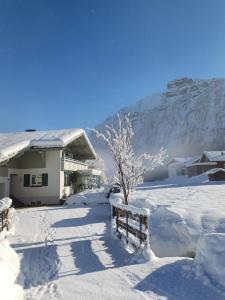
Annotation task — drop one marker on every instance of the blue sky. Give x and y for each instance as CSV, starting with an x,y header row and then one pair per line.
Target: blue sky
x,y
67,63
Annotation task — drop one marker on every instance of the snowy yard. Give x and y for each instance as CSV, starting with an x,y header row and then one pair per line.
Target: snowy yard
x,y
68,253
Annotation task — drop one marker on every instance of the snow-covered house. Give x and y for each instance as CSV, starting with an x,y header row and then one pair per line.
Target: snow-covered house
x,y
43,167
207,161
176,166
216,174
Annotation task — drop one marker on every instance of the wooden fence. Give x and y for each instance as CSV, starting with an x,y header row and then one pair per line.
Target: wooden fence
x,y
4,219
131,223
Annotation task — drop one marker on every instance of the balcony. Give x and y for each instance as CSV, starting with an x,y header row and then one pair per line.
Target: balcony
x,y
70,164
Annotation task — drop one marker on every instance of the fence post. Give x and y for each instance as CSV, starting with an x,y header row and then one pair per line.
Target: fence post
x,y
117,217
2,215
140,220
127,225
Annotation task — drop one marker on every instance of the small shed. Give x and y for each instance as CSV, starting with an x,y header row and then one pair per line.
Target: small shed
x,y
217,174
176,166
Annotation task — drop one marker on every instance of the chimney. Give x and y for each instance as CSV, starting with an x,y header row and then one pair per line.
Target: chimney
x,y
30,130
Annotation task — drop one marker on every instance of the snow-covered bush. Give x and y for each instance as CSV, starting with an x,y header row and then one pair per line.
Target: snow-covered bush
x,y
210,259
5,204
9,269
130,169
11,220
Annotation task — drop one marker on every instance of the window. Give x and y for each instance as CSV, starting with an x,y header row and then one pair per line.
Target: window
x,y
36,180
67,179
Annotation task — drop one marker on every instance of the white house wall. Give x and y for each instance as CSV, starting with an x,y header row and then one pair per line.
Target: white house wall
x,y
45,194
69,165
4,182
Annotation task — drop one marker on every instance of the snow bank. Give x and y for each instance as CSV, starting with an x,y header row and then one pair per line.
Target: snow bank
x,y
210,259
9,269
88,197
182,209
169,234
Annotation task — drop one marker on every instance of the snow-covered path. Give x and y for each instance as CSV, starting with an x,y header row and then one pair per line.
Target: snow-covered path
x,y
68,253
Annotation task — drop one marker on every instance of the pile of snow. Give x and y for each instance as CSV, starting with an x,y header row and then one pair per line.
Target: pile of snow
x,y
9,270
88,197
210,259
170,234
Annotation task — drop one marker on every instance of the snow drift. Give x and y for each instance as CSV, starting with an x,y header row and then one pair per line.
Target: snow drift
x,y
210,259
170,235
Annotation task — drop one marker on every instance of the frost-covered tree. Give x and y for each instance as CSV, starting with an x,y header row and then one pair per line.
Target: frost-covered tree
x,y
130,169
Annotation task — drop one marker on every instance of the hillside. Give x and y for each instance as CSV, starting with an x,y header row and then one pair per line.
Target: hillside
x,y
187,118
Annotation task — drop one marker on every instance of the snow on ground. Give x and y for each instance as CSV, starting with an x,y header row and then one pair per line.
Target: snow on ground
x,y
210,259
68,253
182,210
9,269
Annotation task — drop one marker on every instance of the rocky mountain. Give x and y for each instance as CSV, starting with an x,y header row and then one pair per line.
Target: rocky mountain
x,y
187,118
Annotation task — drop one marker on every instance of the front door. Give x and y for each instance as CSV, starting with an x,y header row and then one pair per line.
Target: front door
x,y
14,184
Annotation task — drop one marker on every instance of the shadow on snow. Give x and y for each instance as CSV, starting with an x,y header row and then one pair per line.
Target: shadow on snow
x,y
172,282
38,265
85,258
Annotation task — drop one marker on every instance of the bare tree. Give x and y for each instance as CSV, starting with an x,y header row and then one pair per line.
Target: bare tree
x,y
129,168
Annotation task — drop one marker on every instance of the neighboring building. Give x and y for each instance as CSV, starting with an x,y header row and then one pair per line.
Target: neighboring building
x,y
216,174
207,161
176,166
43,167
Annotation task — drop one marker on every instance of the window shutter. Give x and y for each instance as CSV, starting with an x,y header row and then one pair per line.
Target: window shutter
x,y
45,179
26,180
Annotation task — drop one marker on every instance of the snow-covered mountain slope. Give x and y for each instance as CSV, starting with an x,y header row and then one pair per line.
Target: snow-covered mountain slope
x,y
187,118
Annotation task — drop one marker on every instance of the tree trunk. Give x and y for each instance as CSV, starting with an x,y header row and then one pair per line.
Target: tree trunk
x,y
125,192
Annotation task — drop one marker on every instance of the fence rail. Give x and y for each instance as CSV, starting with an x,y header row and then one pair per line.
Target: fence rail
x,y
4,219
131,223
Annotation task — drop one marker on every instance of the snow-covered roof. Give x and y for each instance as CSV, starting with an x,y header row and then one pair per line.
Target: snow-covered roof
x,y
207,163
215,155
12,143
215,170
